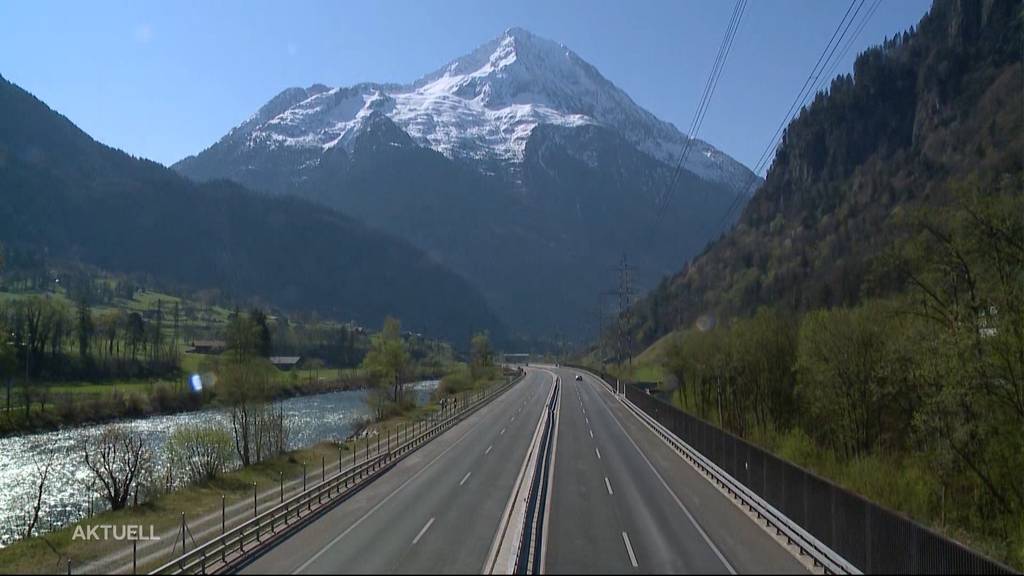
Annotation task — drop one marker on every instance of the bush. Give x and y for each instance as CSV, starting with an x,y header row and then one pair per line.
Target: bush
x,y
456,381
199,452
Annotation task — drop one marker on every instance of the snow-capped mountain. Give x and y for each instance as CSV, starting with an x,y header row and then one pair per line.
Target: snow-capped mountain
x,y
483,106
519,155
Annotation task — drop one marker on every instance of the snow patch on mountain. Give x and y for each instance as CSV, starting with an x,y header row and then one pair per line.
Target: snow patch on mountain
x,y
483,106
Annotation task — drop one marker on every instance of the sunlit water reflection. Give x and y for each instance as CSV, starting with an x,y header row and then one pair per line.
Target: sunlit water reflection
x,y
311,419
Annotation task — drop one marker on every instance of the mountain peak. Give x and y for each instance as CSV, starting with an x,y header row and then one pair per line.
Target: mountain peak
x,y
482,106
517,32
521,39
516,36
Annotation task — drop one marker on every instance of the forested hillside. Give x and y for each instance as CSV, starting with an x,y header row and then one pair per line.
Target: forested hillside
x,y
929,107
71,198
865,318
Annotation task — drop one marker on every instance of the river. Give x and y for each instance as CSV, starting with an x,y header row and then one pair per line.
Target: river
x,y
311,419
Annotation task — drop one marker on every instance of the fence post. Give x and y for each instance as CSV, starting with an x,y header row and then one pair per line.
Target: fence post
x,y
223,514
280,478
135,556
181,563
255,511
303,475
323,469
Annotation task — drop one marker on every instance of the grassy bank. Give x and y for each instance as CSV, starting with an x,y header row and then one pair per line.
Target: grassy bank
x,y
50,552
201,504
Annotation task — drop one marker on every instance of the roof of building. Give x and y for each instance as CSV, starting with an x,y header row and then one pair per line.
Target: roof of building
x,y
209,343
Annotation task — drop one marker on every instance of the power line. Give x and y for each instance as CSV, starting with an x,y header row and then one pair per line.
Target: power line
x,y
705,100
798,101
823,62
849,44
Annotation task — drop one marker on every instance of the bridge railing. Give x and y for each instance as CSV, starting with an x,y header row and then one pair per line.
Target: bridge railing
x,y
871,538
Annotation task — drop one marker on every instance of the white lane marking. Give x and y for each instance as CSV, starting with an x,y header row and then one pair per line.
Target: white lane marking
x,y
488,451
464,478
591,432
629,549
408,481
598,453
513,419
608,485
502,432
424,531
678,502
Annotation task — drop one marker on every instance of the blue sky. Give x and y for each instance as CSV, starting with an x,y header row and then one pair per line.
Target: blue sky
x,y
164,80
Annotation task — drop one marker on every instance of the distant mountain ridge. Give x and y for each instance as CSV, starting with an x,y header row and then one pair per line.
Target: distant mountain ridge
x,y
70,197
518,156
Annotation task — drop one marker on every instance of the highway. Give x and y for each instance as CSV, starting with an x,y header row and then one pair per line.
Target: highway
x,y
621,500
436,511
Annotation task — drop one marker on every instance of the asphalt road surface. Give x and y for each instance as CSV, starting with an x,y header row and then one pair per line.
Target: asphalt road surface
x,y
436,511
622,501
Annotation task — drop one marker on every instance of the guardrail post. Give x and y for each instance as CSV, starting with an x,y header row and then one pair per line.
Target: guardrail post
x,y
254,496
303,475
280,476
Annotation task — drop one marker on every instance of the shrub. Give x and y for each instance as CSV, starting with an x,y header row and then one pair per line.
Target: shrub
x,y
199,452
456,381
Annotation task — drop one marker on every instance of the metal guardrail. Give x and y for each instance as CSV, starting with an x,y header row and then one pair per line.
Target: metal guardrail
x,y
528,560
808,545
840,530
234,545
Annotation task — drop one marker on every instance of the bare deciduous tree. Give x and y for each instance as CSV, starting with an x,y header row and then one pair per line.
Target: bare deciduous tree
x,y
44,461
118,459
